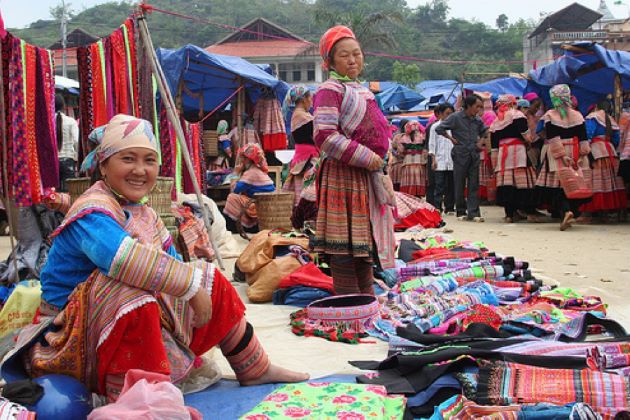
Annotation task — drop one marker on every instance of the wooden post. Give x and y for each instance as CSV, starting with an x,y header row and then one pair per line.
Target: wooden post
x,y
240,110
8,205
172,116
618,96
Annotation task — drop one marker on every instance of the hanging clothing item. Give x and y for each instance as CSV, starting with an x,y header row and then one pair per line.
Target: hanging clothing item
x,y
269,123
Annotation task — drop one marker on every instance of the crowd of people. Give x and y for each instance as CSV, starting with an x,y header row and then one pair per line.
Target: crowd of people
x,y
513,151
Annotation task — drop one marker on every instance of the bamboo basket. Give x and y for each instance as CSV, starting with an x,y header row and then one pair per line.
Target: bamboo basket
x,y
168,220
274,210
210,143
77,186
160,197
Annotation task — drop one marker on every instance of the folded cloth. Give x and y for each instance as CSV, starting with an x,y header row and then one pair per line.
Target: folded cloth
x,y
301,296
308,275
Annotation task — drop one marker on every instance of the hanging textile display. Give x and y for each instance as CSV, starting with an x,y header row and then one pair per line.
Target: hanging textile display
x,y
29,90
269,123
112,82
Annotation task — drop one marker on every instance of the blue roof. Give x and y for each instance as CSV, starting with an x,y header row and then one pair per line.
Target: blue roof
x,y
215,76
591,75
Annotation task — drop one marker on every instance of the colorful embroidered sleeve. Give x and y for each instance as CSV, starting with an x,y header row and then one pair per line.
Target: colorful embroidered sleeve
x,y
327,134
142,266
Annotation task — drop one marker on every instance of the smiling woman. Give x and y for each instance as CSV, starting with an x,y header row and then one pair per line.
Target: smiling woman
x,y
116,295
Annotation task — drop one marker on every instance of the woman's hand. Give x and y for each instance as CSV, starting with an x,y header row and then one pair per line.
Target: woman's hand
x,y
202,305
568,162
376,163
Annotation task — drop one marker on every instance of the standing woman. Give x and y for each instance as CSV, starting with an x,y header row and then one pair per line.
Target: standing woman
x,y
609,192
352,223
514,173
300,101
413,176
395,161
566,144
225,148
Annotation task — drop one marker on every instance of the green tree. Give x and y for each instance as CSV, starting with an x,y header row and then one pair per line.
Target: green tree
x,y
406,74
502,22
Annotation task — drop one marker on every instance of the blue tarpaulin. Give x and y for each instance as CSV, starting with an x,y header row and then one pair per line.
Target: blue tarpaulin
x,y
590,72
399,98
502,86
214,76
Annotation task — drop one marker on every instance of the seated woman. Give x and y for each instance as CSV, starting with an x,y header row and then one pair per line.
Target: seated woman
x,y
251,167
115,295
225,148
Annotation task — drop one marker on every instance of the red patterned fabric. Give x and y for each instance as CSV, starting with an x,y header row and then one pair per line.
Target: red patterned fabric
x,y
45,121
120,73
98,82
134,343
308,275
31,135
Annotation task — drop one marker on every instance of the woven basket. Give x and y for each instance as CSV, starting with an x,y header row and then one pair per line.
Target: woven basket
x,y
168,220
77,186
160,196
210,143
274,210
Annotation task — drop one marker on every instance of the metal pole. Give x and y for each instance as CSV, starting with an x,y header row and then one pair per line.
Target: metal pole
x,y
5,178
240,110
64,43
172,116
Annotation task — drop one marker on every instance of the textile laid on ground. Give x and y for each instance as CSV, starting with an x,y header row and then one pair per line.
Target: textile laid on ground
x,y
412,211
460,319
30,125
329,400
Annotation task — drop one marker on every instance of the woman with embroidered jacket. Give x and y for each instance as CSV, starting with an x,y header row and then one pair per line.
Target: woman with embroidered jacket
x,y
566,144
609,192
300,101
514,174
353,224
115,294
253,173
413,175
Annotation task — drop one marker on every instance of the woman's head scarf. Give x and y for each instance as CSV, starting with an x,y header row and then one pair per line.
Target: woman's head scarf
x,y
412,126
222,127
561,99
126,132
293,96
253,152
523,103
95,137
330,38
504,103
530,96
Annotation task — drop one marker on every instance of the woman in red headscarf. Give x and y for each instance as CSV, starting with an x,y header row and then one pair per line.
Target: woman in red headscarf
x,y
413,176
515,176
354,225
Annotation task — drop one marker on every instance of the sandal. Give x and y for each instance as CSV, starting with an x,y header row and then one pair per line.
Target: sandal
x,y
567,221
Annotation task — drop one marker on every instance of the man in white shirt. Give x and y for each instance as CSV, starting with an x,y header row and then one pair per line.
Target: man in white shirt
x,y
442,163
67,143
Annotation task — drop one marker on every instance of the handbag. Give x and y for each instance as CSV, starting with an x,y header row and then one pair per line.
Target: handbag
x,y
383,188
573,183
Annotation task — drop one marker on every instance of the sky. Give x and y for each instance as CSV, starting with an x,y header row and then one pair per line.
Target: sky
x,y
20,13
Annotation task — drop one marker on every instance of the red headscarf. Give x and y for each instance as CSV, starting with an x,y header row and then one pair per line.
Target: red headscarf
x,y
330,38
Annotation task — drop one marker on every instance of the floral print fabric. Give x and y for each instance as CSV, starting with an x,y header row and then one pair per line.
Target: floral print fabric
x,y
326,400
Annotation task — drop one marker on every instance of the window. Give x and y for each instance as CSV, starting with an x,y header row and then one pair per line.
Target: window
x,y
310,72
283,71
297,73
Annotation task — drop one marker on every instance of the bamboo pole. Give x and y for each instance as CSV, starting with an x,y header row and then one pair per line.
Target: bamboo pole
x,y
172,116
618,96
240,110
5,178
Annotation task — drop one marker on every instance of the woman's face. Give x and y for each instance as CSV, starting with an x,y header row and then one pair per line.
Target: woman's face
x,y
131,172
347,59
307,102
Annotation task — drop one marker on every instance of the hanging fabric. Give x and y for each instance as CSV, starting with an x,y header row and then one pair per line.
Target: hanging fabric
x,y
269,123
28,82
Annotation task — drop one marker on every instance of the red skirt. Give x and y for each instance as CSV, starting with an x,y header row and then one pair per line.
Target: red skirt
x,y
609,192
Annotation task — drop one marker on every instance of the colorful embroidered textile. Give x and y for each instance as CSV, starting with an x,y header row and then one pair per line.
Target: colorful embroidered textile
x,y
269,122
125,132
502,383
250,152
561,99
608,356
329,400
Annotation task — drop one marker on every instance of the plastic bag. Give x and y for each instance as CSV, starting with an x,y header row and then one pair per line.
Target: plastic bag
x,y
147,395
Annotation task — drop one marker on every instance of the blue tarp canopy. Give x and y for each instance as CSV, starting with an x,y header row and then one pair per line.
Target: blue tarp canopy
x,y
590,72
399,98
501,86
214,76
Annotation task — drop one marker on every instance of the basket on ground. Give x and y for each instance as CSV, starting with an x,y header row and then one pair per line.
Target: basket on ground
x,y
77,186
274,210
